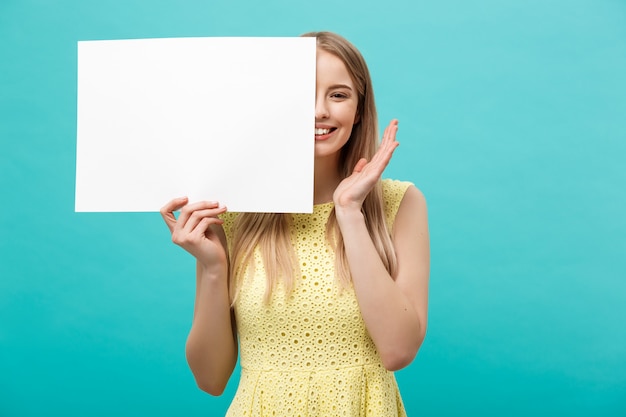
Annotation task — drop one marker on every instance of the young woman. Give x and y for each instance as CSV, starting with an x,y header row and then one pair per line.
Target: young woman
x,y
324,306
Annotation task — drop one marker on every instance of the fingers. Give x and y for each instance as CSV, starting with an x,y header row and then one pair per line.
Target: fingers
x,y
189,209
365,174
189,238
389,136
194,221
381,158
388,144
200,230
167,211
193,218
191,214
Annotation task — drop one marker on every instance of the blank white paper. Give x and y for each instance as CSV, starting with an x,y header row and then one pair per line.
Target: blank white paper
x,y
220,119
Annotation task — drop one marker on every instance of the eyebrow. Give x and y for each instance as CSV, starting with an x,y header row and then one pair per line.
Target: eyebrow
x,y
334,86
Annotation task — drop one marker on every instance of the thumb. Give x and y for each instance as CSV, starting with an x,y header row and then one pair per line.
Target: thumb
x,y
360,165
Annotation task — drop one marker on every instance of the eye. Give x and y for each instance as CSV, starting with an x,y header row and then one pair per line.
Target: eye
x,y
339,95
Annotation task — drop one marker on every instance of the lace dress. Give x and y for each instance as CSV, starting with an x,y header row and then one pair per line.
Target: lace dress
x,y
309,353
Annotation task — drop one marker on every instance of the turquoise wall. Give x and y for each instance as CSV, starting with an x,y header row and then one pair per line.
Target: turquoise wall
x,y
512,121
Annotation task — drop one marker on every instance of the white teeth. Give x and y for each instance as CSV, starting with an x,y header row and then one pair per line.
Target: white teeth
x,y
322,131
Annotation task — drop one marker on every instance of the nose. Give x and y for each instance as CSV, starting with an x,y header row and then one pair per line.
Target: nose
x,y
321,110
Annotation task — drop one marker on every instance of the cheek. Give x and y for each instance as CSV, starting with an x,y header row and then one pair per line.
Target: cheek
x,y
355,114
347,131
350,116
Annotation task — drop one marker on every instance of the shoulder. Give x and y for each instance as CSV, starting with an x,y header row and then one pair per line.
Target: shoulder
x,y
395,192
412,215
229,220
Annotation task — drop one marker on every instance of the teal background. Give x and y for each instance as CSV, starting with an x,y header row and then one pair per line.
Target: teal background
x,y
512,122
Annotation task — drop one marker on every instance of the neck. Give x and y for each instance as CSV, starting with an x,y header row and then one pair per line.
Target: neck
x,y
327,178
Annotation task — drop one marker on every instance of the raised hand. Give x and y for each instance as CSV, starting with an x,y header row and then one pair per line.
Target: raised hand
x,y
351,192
196,231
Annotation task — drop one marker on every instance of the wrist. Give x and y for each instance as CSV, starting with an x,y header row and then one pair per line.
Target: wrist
x,y
213,272
349,215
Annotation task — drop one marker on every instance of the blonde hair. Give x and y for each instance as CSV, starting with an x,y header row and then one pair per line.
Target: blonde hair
x,y
270,232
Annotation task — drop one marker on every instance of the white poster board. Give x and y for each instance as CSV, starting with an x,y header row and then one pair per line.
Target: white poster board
x,y
221,119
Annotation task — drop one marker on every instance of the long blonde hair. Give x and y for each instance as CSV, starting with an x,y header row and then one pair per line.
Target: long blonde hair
x,y
270,232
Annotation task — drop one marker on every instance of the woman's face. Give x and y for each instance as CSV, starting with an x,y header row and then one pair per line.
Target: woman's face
x,y
336,101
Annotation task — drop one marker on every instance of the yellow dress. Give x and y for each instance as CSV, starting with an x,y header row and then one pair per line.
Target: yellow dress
x,y
309,353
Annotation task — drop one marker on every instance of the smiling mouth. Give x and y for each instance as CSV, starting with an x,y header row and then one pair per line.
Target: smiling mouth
x,y
321,132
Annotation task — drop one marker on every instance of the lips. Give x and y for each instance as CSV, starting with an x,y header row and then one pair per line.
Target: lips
x,y
323,133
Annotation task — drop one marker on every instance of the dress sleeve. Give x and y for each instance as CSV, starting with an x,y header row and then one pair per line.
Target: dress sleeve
x,y
229,221
393,193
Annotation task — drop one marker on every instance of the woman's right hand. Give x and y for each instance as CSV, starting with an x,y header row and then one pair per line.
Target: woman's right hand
x,y
194,230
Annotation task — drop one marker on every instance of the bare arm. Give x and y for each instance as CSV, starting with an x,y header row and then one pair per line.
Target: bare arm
x,y
394,308
211,345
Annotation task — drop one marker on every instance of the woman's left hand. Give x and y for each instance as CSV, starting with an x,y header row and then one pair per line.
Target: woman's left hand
x,y
351,192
